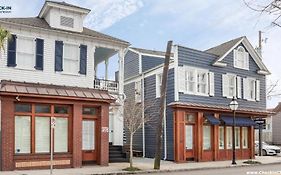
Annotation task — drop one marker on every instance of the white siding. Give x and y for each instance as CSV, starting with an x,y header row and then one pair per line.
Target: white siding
x,y
48,75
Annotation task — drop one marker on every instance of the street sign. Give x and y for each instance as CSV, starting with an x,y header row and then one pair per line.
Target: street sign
x,y
260,123
53,122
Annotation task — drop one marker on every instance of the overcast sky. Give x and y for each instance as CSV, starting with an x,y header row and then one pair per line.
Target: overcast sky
x,y
198,24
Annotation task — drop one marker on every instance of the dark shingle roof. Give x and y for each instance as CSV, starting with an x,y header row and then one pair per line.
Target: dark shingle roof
x,y
152,52
66,4
41,23
221,49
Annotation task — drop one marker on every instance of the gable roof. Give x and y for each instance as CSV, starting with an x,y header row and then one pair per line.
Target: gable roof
x,y
66,4
277,109
221,49
224,49
150,52
40,23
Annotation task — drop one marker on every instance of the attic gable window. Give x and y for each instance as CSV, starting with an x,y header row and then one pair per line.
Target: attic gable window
x,y
241,58
66,21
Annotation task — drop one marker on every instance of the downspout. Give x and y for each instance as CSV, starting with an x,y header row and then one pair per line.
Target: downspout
x,y
143,127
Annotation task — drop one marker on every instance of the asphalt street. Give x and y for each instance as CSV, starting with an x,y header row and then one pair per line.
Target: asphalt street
x,y
247,170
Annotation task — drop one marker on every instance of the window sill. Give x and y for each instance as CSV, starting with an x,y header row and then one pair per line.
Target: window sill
x,y
241,68
26,69
198,94
70,74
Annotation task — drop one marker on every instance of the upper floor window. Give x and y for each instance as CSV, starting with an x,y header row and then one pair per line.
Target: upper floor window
x,y
71,58
25,52
158,85
231,86
66,21
251,88
138,91
196,81
241,58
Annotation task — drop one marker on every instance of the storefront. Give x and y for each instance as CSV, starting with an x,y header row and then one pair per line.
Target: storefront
x,y
204,133
81,127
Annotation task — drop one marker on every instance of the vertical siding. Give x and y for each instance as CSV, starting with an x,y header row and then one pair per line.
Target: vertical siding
x,y
204,60
129,90
149,62
276,130
131,64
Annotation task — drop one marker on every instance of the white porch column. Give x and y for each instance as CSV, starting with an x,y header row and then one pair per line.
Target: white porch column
x,y
106,68
119,112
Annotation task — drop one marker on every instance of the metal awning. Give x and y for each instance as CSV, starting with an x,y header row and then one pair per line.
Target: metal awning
x,y
212,119
53,91
239,121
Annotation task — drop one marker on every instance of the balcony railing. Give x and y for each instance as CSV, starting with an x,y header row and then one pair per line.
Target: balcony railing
x,y
109,85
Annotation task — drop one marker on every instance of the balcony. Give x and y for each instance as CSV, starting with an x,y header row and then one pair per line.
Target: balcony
x,y
108,85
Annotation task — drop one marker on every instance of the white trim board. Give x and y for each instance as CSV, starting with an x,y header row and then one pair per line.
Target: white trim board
x,y
258,60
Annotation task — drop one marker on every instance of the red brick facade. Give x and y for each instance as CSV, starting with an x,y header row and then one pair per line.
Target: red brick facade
x,y
11,161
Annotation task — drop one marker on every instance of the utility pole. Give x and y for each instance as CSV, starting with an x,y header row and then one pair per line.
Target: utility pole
x,y
260,43
159,129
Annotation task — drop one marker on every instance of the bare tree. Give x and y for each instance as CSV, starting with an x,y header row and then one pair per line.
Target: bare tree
x,y
271,90
134,119
272,8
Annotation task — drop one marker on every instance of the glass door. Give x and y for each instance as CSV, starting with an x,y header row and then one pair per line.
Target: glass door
x,y
88,140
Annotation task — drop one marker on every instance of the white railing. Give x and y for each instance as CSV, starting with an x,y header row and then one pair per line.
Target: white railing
x,y
109,85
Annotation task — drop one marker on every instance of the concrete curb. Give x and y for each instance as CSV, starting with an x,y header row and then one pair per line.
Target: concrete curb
x,y
180,170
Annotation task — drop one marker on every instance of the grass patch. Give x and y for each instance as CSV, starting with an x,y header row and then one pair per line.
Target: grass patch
x,y
252,162
132,169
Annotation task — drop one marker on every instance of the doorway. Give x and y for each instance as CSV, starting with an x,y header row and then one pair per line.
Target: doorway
x,y
88,140
111,123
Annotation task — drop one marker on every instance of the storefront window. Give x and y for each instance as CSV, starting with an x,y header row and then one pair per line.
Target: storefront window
x,y
41,128
206,137
42,108
229,137
237,137
22,107
61,109
22,134
188,137
244,137
61,135
42,134
221,137
89,111
189,118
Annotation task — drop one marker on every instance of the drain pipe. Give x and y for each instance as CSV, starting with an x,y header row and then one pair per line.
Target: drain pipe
x,y
143,127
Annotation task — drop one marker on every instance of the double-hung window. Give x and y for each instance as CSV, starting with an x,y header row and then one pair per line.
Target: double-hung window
x,y
196,81
202,85
25,52
158,85
241,58
231,85
71,58
251,89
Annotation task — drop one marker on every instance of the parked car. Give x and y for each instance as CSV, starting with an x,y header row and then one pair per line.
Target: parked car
x,y
267,149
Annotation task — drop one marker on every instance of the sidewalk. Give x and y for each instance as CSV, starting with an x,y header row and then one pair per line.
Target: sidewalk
x,y
146,165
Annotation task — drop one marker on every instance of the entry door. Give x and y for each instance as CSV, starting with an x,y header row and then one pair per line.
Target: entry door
x,y
111,117
189,141
88,140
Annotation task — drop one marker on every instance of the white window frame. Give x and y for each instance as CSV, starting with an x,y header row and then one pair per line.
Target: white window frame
x,y
237,137
226,85
73,72
158,84
188,81
19,53
221,128
232,86
229,137
245,139
138,93
199,84
255,91
240,55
